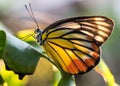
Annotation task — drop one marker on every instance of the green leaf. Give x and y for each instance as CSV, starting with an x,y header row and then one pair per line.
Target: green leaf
x,y
1,80
105,72
2,42
19,56
66,80
9,78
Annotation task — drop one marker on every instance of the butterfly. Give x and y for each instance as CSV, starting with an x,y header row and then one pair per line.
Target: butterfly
x,y
74,43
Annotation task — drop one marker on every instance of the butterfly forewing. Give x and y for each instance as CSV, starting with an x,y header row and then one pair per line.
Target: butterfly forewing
x,y
74,43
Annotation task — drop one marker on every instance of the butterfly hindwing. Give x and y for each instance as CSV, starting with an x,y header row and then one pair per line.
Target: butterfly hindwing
x,y
74,43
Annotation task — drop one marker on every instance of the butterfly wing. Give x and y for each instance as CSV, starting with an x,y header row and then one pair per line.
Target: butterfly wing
x,y
74,43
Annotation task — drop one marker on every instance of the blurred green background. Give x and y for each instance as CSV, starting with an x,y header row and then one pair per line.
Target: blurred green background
x,y
14,17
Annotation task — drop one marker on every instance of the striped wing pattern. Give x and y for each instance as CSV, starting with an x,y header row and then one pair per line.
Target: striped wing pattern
x,y
74,43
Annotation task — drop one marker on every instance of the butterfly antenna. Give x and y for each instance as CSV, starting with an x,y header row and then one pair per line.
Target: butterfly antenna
x,y
30,11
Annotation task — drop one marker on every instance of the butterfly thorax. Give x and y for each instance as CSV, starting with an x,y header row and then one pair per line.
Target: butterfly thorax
x,y
38,36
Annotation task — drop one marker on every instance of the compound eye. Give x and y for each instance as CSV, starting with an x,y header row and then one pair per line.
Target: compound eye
x,y
37,31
